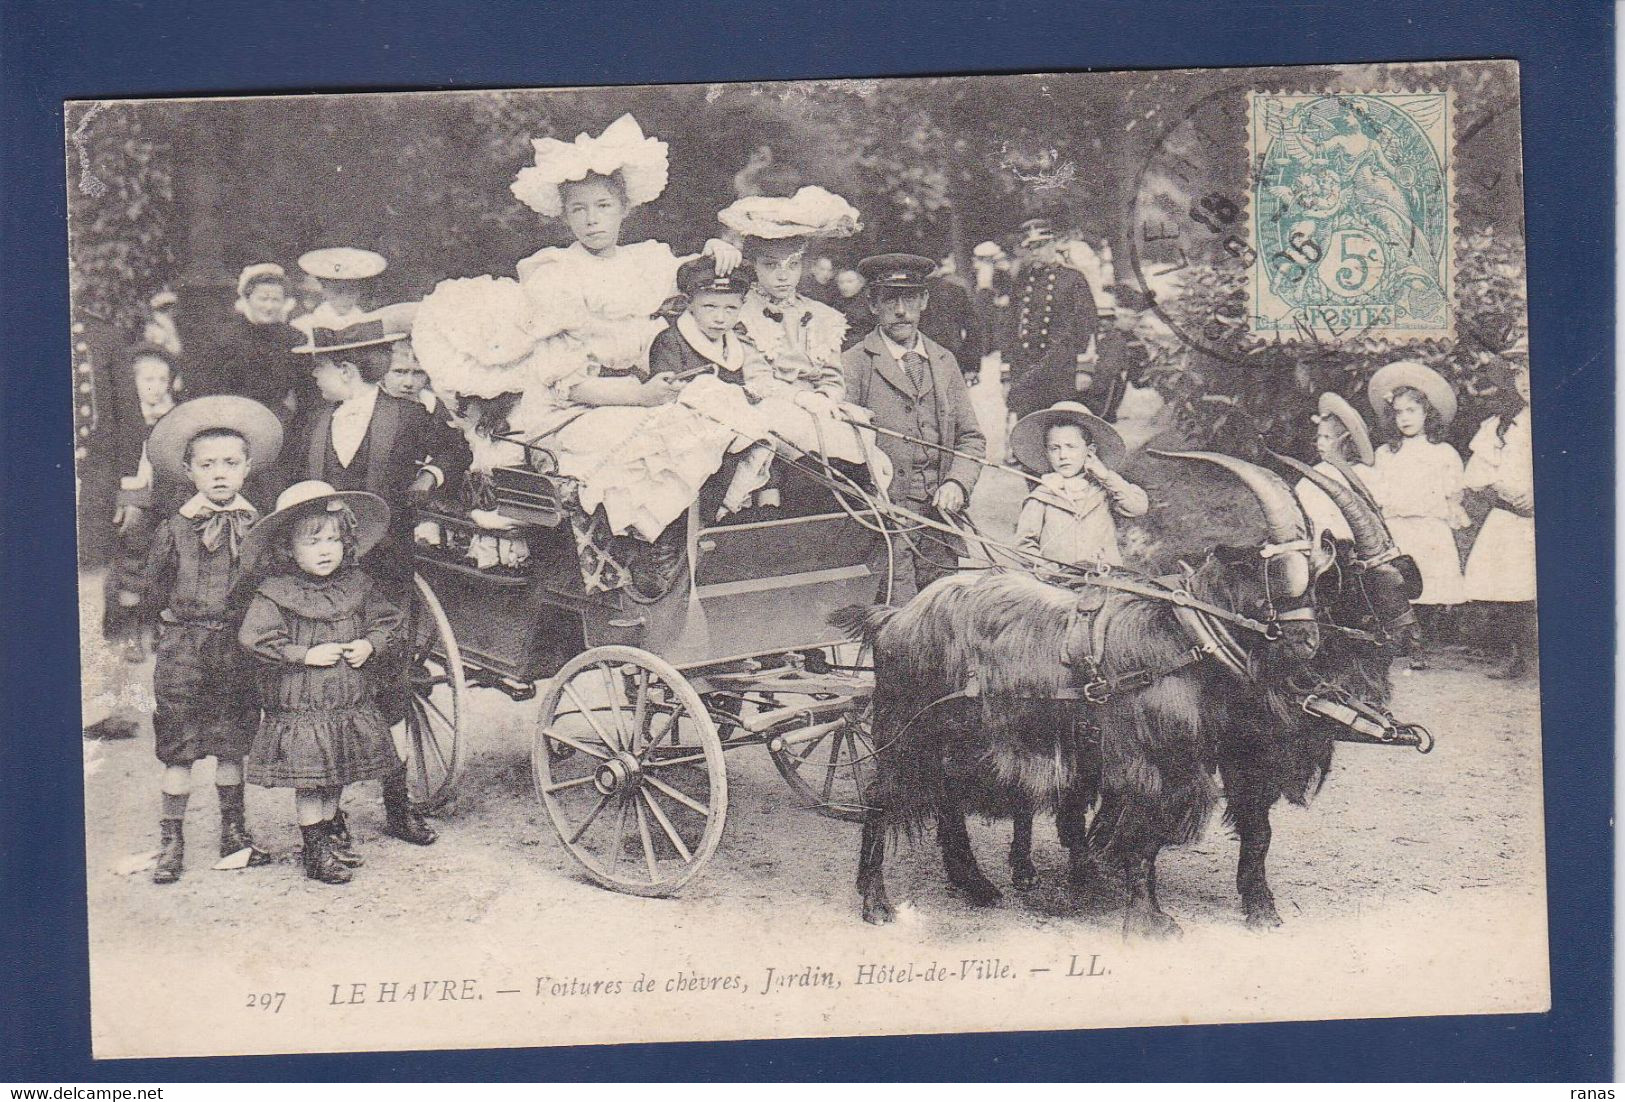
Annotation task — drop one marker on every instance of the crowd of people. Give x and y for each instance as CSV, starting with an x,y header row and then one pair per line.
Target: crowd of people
x,y
266,522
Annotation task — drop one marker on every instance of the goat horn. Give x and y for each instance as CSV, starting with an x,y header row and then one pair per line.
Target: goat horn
x,y
1357,484
1371,536
1283,516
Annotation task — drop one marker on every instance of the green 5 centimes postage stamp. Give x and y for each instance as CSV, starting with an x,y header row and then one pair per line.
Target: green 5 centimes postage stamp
x,y
1352,215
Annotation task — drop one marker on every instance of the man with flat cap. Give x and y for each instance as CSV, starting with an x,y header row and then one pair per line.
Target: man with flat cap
x,y
913,386
1054,318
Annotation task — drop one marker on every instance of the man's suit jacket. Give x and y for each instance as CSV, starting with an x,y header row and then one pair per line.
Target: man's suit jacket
x,y
951,319
401,439
879,383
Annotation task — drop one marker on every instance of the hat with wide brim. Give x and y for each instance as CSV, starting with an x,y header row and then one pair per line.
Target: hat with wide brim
x,y
1027,438
343,263
303,499
363,334
166,447
812,212
622,147
1337,407
1408,373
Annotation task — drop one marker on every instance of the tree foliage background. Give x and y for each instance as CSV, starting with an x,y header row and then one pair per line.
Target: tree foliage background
x,y
184,194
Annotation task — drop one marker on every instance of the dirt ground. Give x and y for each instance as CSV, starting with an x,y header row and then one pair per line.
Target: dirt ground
x,y
1459,828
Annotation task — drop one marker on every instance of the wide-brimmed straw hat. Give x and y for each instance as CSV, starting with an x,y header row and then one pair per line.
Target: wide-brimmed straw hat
x,y
1337,408
363,334
303,499
343,263
1408,373
1027,438
166,447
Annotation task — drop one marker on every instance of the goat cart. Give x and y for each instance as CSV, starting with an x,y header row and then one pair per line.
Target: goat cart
x,y
641,699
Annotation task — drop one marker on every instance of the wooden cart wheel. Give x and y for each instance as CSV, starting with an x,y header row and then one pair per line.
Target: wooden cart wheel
x,y
829,770
641,802
433,744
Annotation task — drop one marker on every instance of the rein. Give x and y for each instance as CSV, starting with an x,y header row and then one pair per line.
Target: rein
x,y
1098,577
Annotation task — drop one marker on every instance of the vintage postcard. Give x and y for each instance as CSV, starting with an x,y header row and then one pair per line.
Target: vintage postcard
x,y
597,566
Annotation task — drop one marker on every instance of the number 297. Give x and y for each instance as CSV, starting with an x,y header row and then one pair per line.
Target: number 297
x,y
268,1001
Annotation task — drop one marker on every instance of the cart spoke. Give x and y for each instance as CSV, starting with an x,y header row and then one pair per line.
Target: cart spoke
x,y
669,762
656,740
586,714
557,736
620,834
444,718
834,758
612,693
426,735
648,846
665,825
591,818
683,798
418,758
640,707
812,748
574,782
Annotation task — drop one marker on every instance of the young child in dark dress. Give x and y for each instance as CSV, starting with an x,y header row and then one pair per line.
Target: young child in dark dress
x,y
204,709
321,631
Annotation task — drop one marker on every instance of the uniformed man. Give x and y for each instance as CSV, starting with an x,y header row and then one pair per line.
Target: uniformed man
x,y
1054,318
912,385
98,345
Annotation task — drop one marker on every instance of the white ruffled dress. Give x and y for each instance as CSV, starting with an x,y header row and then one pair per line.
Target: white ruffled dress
x,y
801,347
1419,488
572,315
1501,565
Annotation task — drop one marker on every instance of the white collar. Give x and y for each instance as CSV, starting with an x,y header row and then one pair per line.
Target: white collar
x,y
794,306
898,351
724,353
198,502
1069,486
359,404
150,414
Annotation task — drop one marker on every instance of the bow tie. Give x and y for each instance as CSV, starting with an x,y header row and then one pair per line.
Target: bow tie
x,y
214,525
778,315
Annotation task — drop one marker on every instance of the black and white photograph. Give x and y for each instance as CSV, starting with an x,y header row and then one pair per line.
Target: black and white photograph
x,y
828,558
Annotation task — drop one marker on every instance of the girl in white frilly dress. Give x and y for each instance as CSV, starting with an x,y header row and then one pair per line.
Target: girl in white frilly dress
x,y
1417,481
570,338
1501,566
795,376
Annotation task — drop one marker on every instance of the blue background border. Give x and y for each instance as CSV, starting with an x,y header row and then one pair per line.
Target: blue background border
x,y
57,50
